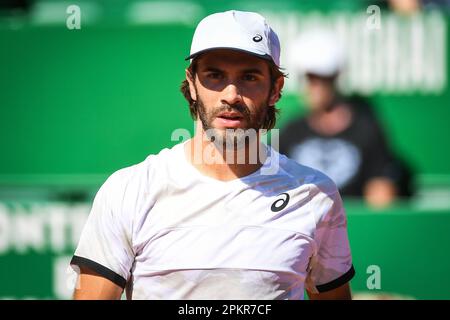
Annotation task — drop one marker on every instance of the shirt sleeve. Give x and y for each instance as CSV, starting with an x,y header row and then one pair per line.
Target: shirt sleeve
x,y
105,243
331,265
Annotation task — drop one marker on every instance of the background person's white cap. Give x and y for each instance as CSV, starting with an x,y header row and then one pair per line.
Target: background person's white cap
x,y
238,30
317,51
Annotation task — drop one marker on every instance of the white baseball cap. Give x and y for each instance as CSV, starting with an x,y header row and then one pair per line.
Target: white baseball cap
x,y
319,52
238,30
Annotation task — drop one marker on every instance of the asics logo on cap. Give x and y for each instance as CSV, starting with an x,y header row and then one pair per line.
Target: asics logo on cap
x,y
257,38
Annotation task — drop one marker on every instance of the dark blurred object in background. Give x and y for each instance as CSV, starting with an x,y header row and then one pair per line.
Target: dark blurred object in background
x,y
24,5
72,196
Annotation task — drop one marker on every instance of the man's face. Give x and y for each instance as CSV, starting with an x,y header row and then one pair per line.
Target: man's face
x,y
233,91
320,92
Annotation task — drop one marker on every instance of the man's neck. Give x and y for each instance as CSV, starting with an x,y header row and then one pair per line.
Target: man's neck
x,y
222,164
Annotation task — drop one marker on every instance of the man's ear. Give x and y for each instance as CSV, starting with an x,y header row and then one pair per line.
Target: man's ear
x,y
276,91
190,79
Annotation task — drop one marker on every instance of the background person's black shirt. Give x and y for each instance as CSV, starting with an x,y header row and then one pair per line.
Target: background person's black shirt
x,y
351,157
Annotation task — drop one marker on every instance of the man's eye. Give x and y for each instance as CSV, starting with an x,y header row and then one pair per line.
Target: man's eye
x,y
249,77
214,75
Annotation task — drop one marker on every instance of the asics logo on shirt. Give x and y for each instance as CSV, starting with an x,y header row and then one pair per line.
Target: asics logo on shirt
x,y
280,204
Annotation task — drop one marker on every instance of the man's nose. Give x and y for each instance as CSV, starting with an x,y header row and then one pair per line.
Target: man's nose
x,y
231,94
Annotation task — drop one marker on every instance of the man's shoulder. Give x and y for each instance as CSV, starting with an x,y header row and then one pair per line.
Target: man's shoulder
x,y
307,175
323,193
139,174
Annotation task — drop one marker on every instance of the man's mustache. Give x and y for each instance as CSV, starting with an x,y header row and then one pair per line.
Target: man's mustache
x,y
242,109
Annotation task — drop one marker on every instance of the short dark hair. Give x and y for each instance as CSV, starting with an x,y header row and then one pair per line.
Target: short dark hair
x,y
275,73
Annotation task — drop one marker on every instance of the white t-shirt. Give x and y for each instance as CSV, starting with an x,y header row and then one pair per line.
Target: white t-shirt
x,y
166,231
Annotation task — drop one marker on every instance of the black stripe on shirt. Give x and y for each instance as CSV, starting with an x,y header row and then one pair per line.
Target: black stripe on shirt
x,y
101,270
336,283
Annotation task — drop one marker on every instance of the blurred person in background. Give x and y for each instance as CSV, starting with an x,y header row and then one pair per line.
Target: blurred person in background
x,y
409,7
406,7
339,135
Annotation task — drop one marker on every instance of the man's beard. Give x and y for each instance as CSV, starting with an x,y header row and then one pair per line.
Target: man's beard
x,y
232,137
